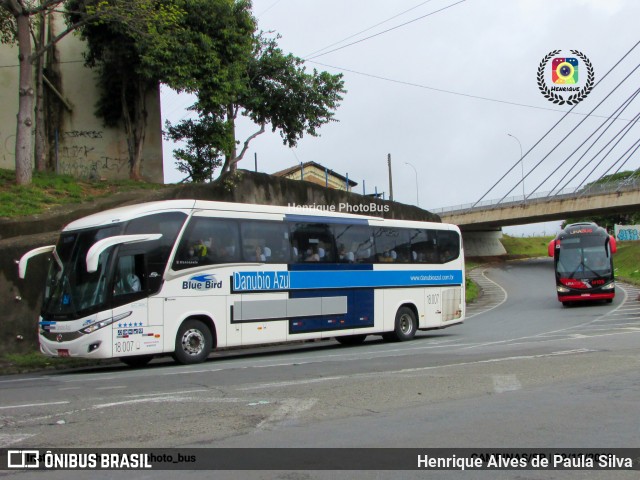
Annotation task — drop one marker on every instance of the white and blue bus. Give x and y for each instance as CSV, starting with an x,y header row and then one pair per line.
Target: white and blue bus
x,y
183,277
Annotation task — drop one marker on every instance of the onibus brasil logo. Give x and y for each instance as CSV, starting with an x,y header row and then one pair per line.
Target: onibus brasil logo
x,y
567,73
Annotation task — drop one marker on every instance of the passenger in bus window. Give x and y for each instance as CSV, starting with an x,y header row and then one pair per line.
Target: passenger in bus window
x,y
312,255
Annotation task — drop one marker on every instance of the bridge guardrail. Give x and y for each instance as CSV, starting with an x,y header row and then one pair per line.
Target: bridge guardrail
x,y
570,192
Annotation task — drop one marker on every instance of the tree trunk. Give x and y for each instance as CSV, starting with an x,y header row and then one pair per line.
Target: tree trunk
x,y
140,130
24,165
229,157
41,147
135,127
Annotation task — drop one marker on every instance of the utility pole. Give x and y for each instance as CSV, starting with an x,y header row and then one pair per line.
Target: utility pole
x,y
390,178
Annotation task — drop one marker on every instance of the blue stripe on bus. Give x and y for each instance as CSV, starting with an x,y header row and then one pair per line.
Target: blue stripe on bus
x,y
359,312
307,280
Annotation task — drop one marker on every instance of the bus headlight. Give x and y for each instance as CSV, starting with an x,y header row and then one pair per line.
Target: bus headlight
x,y
562,289
98,325
609,286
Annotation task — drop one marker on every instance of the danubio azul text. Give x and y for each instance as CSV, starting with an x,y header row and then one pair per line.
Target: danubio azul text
x,y
251,281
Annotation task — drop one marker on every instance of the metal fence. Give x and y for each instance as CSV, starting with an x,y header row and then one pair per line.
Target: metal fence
x,y
627,184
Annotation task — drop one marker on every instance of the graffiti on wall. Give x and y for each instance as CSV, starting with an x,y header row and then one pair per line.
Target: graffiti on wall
x,y
82,155
627,232
7,149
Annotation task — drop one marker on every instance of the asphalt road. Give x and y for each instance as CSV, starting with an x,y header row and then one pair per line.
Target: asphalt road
x,y
521,372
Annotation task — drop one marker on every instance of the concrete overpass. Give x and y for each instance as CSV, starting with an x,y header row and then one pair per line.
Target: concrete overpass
x,y
482,224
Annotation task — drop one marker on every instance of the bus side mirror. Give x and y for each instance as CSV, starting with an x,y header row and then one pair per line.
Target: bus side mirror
x,y
22,264
93,255
551,248
612,244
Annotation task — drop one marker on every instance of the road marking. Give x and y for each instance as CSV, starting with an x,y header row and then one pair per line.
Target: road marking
x,y
7,439
543,334
111,388
261,386
505,383
506,295
27,405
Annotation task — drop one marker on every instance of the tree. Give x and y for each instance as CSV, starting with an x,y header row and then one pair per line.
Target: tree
x,y
203,44
205,147
273,89
17,18
280,92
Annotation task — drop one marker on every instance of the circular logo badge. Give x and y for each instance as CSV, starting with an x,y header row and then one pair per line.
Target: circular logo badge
x,y
566,74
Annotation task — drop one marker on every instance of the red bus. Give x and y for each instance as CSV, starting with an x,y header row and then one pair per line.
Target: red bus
x,y
583,263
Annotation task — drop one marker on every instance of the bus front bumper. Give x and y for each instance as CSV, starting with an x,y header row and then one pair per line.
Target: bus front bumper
x,y
97,344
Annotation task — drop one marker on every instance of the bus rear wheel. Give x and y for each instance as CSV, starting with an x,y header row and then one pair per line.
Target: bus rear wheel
x,y
193,342
406,326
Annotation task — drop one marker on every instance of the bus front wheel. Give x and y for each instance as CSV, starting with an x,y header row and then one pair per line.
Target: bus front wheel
x,y
193,342
406,326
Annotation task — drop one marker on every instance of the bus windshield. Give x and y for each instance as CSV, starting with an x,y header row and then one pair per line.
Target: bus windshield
x,y
70,290
584,257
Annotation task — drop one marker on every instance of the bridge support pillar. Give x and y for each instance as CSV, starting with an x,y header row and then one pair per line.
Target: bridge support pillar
x,y
483,243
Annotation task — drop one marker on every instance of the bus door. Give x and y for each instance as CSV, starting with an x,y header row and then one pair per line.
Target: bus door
x,y
136,330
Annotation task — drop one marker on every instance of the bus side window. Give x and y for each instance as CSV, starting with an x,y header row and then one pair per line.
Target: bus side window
x,y
355,243
423,246
448,245
313,242
208,241
392,244
266,242
129,277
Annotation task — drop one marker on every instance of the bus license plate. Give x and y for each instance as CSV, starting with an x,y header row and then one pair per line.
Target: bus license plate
x,y
63,352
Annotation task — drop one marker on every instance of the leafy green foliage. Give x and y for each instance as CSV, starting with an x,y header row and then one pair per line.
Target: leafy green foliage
x,y
205,146
282,93
7,27
273,89
625,262
527,246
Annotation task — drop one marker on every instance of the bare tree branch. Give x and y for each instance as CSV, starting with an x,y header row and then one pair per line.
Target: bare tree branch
x,y
246,144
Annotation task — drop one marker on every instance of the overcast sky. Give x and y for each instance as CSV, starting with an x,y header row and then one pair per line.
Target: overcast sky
x,y
458,143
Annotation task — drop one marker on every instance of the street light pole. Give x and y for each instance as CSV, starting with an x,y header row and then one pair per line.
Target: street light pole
x,y
416,172
524,197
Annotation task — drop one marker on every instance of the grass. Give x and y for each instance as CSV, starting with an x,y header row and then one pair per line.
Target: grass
x,y
526,246
48,190
33,361
626,262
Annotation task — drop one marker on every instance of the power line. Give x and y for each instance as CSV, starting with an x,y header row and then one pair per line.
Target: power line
x,y
622,135
268,8
623,106
367,29
576,127
451,92
551,129
387,31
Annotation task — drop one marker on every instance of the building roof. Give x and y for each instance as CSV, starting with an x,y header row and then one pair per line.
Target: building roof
x,y
287,171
